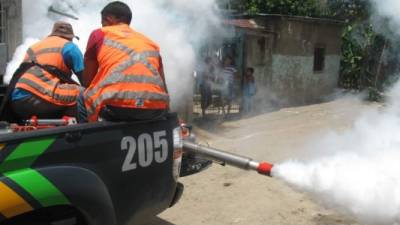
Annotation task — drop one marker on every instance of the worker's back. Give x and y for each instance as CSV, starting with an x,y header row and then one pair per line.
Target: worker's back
x,y
129,75
41,82
109,57
48,52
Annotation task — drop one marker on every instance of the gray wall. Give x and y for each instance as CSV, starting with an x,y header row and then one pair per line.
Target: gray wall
x,y
14,34
258,54
13,31
285,65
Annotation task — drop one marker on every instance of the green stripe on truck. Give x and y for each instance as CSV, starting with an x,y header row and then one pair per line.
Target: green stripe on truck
x,y
17,167
25,154
39,187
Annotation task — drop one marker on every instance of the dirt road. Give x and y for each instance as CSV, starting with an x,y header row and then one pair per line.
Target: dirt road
x,y
223,195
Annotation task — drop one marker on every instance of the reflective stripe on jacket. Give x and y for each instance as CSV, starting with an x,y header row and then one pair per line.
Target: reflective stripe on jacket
x,y
129,73
43,84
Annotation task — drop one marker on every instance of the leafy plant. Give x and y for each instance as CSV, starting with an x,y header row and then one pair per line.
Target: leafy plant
x,y
286,7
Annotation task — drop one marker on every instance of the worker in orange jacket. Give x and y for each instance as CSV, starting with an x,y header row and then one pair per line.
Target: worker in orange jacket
x,y
123,71
43,86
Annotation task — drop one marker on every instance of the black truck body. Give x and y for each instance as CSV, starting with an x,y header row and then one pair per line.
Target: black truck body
x,y
108,173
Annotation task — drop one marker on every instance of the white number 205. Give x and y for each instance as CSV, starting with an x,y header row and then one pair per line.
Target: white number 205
x,y
148,147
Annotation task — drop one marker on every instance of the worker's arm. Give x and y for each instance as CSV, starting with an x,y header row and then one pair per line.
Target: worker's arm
x,y
91,64
73,59
91,68
163,75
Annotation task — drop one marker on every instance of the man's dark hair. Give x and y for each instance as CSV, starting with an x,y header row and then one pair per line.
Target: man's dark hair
x,y
251,69
119,10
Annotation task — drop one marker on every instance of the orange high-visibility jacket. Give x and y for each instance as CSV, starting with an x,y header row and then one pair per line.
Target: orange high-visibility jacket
x,y
43,84
129,75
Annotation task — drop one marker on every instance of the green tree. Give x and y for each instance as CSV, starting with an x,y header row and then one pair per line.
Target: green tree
x,y
285,7
362,48
349,10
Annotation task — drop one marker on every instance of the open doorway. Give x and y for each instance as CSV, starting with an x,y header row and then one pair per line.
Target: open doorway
x,y
210,97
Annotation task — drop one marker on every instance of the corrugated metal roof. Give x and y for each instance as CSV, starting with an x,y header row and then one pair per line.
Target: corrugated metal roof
x,y
243,23
245,16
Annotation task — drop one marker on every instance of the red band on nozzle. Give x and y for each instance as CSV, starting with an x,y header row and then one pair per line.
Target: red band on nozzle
x,y
265,168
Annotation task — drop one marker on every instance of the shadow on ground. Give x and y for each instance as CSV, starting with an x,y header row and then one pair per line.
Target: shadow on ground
x,y
213,123
157,221
332,220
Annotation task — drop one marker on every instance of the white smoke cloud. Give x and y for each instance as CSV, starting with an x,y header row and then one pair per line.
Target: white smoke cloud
x,y
387,9
18,57
361,178
358,172
177,26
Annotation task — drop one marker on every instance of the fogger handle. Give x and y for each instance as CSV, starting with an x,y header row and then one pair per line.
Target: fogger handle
x,y
235,160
